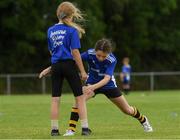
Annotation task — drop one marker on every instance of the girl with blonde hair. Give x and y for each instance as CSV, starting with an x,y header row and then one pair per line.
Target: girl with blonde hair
x,y
63,44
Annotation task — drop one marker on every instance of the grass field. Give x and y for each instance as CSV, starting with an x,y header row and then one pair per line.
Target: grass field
x,y
24,117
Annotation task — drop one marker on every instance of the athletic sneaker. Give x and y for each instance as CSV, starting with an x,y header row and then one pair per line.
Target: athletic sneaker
x,y
146,125
55,132
86,131
69,133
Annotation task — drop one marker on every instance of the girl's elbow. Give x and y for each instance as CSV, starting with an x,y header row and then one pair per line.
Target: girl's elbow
x,y
75,51
108,78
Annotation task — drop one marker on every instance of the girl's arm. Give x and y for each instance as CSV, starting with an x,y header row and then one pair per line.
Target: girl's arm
x,y
78,60
101,83
109,72
121,76
45,72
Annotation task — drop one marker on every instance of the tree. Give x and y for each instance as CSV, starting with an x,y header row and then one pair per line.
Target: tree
x,y
24,24
146,31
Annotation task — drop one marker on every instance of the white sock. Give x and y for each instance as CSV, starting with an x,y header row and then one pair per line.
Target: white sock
x,y
84,123
54,124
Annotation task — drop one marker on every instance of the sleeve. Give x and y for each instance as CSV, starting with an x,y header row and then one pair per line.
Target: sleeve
x,y
75,41
110,69
48,41
124,69
85,56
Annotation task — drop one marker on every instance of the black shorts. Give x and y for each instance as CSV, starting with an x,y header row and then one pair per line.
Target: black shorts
x,y
65,69
109,93
126,82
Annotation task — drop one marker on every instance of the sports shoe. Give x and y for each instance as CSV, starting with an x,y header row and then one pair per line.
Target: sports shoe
x,y
69,133
55,132
86,132
146,125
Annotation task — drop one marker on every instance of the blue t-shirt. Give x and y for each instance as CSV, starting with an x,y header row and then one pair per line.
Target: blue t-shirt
x,y
97,70
126,70
61,40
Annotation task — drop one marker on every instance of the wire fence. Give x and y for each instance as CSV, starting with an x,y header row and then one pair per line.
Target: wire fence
x,y
31,84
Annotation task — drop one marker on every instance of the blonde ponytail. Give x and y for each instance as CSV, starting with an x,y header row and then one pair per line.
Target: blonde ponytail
x,y
68,10
78,27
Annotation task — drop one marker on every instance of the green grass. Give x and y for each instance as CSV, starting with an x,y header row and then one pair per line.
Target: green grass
x,y
24,117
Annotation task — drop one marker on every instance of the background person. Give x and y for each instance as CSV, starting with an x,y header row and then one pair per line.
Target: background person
x,y
125,75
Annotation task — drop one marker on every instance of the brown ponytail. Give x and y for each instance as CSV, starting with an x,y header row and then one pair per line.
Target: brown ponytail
x,y
104,45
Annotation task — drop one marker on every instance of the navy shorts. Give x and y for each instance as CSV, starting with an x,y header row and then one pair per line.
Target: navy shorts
x,y
126,82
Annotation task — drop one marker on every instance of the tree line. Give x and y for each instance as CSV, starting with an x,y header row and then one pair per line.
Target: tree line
x,y
147,31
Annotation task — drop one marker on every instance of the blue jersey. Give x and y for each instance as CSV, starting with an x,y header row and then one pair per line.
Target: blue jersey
x,y
126,70
61,40
97,70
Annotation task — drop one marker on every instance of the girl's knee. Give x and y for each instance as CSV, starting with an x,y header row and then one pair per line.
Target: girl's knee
x,y
55,99
128,111
80,98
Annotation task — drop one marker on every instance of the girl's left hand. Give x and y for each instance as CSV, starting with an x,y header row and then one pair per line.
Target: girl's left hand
x,y
90,87
87,91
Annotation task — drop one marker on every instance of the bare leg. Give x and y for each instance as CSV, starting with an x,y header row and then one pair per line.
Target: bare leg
x,y
55,112
123,105
86,96
55,108
81,105
82,112
74,117
126,88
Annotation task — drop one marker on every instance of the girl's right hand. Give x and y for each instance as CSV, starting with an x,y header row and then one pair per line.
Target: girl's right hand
x,y
45,72
84,76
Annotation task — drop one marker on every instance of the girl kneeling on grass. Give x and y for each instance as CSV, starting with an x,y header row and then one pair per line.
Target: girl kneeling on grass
x,y
101,63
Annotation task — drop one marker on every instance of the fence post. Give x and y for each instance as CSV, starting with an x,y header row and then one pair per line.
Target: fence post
x,y
152,81
43,83
8,83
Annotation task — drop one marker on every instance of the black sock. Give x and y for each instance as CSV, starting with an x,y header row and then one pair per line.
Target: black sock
x,y
126,91
138,116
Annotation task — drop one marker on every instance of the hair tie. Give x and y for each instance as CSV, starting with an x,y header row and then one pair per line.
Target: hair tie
x,y
62,15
